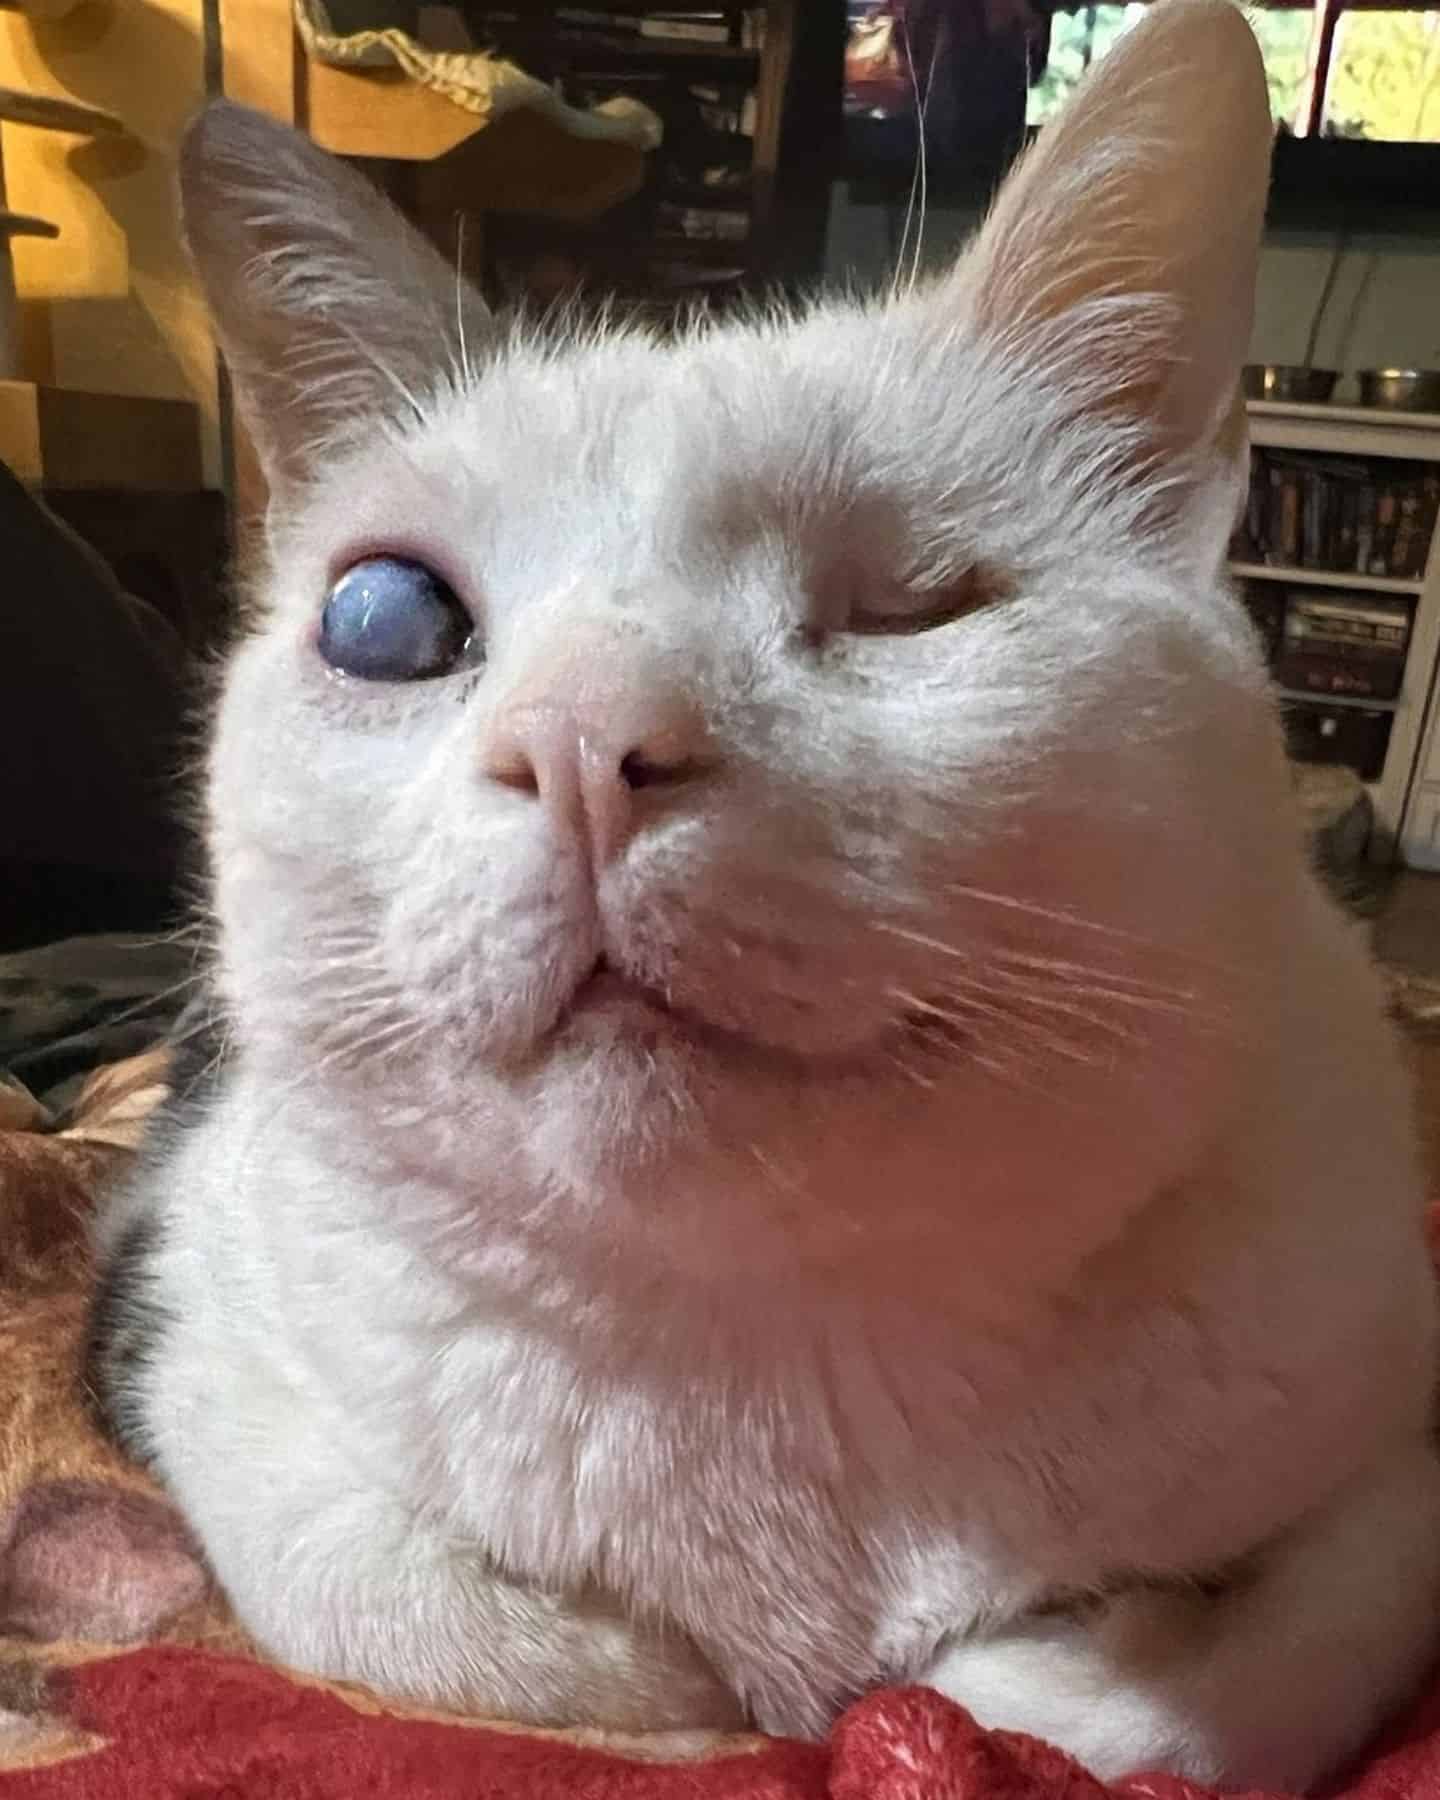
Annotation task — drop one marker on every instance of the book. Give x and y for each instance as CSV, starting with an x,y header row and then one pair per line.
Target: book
x,y
1313,497
1255,507
1347,528
1339,514
704,223
673,27
695,28
1289,539
1352,645
1386,512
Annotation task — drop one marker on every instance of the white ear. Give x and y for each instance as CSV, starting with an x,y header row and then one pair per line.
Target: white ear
x,y
1124,247
329,307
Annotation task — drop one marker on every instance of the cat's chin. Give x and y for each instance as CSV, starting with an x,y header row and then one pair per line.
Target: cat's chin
x,y
611,1010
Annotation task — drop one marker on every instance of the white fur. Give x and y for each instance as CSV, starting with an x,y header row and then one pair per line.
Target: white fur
x,y
594,1368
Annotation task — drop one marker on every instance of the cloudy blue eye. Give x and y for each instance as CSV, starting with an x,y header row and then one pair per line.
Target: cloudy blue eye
x,y
390,619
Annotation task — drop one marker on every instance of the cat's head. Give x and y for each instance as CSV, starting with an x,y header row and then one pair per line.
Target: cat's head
x,y
664,737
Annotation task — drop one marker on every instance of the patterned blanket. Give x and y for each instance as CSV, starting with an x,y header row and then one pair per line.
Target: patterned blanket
x,y
123,1677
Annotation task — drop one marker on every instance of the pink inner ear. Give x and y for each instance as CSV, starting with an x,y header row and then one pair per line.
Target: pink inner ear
x,y
1137,216
101,1564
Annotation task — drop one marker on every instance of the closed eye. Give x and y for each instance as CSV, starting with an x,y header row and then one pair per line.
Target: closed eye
x,y
902,611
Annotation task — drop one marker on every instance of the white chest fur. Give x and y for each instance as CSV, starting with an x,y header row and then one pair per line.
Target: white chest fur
x,y
815,1494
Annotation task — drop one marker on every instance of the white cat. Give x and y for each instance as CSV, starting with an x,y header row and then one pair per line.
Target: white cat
x,y
794,1115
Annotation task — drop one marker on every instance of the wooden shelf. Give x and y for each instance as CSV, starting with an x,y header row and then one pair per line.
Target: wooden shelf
x,y
724,253
582,51
46,113
1343,430
1326,578
700,195
1381,418
630,7
13,225
1304,697
67,438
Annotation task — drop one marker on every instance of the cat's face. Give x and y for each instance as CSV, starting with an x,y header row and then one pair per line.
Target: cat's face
x,y
833,705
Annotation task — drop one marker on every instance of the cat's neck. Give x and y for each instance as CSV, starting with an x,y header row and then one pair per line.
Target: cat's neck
x,y
889,1225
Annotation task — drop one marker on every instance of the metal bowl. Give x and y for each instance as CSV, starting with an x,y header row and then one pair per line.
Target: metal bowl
x,y
1289,381
1401,390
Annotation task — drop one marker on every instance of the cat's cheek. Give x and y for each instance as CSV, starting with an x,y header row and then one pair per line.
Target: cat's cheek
x,y
391,720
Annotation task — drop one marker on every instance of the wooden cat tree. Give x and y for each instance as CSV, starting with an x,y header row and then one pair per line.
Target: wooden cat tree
x,y
62,438
41,113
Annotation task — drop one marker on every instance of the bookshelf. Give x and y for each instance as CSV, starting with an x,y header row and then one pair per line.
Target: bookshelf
x,y
1405,726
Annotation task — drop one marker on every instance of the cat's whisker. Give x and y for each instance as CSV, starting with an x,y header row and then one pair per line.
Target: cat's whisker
x,y
1003,990
389,1045
199,930
920,938
1102,997
1054,915
1088,972
335,967
339,999
1085,1003
372,1015
1096,986
922,122
1133,941
462,344
773,1173
961,1008
150,1003
1099,991
1110,1030
1019,979
1007,1070
917,202
913,1074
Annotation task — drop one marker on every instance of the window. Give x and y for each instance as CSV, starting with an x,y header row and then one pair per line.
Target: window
x,y
1340,69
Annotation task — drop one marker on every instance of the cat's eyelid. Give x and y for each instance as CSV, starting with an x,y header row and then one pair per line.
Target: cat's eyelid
x,y
406,550
905,610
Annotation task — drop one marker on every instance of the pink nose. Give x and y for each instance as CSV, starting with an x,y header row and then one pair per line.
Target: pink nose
x,y
586,741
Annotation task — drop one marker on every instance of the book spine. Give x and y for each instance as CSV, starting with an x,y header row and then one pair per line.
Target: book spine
x,y
1346,537
690,31
1355,677
1428,517
1312,541
1403,556
1255,506
1386,508
1289,545
1365,528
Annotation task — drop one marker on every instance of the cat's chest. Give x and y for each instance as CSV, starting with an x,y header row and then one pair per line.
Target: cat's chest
x,y
791,1544
562,1462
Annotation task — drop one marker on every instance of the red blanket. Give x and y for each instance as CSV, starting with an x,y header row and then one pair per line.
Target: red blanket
x,y
175,1724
